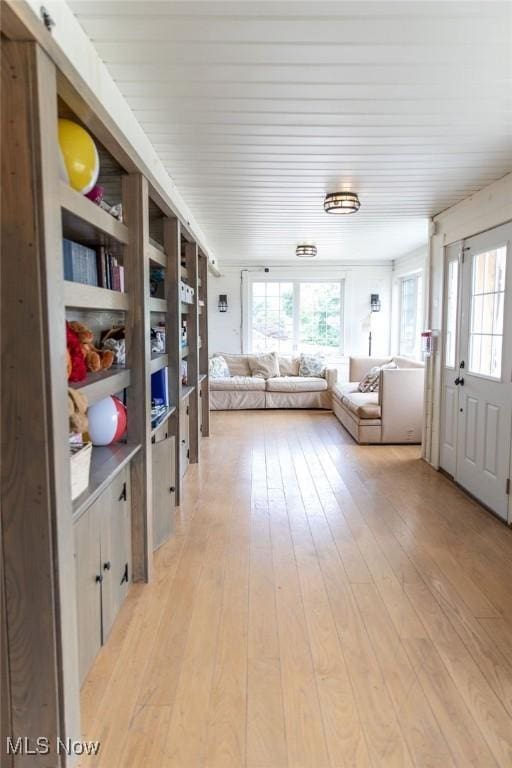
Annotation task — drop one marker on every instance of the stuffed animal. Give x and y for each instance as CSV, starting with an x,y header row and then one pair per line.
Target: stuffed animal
x,y
95,359
76,368
77,411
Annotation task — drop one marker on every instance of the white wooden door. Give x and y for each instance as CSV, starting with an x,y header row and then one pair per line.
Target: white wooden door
x,y
450,391
484,377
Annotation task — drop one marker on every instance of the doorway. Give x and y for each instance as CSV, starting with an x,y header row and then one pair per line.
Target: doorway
x,y
476,408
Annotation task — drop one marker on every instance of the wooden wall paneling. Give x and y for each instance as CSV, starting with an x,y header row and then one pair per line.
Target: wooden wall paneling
x,y
5,683
172,247
37,533
203,352
191,262
138,358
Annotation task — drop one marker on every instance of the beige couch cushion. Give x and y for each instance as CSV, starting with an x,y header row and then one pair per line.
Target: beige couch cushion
x,y
340,390
363,404
264,366
296,384
288,366
238,384
238,364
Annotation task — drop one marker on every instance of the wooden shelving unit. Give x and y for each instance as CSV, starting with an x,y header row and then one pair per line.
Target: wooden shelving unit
x,y
43,210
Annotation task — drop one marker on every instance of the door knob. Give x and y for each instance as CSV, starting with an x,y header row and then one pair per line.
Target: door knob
x,y
107,566
459,380
99,578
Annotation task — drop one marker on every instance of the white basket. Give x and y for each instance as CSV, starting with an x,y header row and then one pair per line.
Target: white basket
x,y
80,467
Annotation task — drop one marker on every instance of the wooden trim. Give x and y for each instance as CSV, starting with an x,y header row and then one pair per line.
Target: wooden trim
x,y
82,296
193,352
172,245
104,383
155,254
157,305
135,208
37,532
106,463
84,209
203,352
158,362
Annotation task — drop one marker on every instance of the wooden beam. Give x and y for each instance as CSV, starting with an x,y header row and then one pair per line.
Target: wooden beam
x,y
193,354
172,247
204,401
37,536
135,210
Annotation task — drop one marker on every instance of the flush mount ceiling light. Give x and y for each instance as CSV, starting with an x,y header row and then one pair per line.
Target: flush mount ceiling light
x,y
341,202
305,250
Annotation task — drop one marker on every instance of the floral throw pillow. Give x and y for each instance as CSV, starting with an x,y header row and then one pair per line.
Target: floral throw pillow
x,y
218,368
311,365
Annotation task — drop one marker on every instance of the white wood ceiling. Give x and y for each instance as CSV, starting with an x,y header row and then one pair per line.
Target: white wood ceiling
x,y
257,109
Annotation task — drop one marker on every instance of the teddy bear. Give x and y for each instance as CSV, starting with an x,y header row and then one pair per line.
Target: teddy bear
x,y
75,362
95,359
77,411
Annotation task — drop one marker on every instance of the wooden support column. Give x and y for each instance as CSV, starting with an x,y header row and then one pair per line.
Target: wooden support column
x,y
204,402
193,355
37,536
172,247
135,213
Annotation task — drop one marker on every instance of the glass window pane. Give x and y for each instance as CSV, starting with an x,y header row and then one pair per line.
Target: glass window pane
x,y
409,316
497,348
320,318
451,313
487,302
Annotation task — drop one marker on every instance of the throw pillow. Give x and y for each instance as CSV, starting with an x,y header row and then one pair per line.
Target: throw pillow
x,y
311,365
218,368
264,366
238,364
371,381
288,366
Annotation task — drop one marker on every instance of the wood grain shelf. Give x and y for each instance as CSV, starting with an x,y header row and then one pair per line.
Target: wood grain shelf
x,y
157,305
184,352
94,216
186,391
184,273
202,377
106,463
158,362
103,383
155,254
185,308
82,296
169,412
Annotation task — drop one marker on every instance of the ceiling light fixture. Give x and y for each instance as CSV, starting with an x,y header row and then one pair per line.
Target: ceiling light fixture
x,y
305,250
341,202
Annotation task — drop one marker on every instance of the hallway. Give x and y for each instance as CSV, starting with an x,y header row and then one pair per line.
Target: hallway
x,y
321,605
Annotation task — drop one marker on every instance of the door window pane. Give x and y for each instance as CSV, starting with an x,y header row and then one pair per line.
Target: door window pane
x,y
451,313
487,301
320,317
272,317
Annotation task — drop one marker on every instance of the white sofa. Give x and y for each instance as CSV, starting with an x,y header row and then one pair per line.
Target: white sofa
x,y
241,390
393,414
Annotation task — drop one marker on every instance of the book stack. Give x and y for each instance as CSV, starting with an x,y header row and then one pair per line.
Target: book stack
x,y
159,395
86,265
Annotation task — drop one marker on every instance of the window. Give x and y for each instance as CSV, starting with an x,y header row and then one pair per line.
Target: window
x,y
487,302
410,316
452,288
292,316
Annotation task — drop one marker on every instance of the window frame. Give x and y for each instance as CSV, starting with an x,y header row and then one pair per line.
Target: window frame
x,y
418,278
288,277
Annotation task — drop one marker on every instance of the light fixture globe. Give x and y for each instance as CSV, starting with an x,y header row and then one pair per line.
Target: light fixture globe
x,y
341,202
304,250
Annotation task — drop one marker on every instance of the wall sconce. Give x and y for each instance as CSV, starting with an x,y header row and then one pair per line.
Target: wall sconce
x,y
223,302
375,305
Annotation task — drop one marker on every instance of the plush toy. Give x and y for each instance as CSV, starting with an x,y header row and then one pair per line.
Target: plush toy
x,y
77,411
76,368
95,359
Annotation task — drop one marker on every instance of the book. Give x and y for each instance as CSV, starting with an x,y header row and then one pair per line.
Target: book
x,y
80,263
160,387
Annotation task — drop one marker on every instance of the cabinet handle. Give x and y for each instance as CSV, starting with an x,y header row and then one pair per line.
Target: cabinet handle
x,y
153,439
183,441
122,496
99,578
125,574
107,566
172,489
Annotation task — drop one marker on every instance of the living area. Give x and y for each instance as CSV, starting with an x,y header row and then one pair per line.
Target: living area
x,y
257,457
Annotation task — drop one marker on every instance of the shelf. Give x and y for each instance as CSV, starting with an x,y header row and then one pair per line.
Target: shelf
x,y
202,377
185,308
186,391
83,296
184,272
155,254
183,351
93,217
157,305
163,419
158,362
106,463
103,383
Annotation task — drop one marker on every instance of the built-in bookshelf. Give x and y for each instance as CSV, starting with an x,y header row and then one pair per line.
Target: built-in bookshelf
x,y
119,247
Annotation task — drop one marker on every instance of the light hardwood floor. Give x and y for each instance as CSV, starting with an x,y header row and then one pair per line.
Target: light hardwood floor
x,y
322,605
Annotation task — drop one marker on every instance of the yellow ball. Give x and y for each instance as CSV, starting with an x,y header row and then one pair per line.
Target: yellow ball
x,y
80,164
